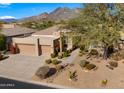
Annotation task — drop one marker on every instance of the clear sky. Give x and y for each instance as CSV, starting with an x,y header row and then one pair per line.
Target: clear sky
x,y
20,10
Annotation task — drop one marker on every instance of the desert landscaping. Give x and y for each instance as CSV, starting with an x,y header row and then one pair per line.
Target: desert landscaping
x,y
100,77
71,47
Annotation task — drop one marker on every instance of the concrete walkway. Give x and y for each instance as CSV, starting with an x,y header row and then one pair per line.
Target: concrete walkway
x,y
20,66
71,58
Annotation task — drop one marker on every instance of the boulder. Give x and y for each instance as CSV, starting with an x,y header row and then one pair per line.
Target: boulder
x,y
42,72
83,63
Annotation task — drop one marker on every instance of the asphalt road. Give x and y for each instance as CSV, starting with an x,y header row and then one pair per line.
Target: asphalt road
x,y
14,84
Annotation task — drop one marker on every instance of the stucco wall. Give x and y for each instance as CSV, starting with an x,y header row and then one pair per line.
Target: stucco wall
x,y
45,49
45,45
27,40
8,25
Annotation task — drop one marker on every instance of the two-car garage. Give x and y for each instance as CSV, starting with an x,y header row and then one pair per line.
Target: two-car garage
x,y
30,49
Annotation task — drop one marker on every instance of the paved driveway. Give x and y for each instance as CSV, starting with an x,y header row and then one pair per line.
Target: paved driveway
x,y
19,66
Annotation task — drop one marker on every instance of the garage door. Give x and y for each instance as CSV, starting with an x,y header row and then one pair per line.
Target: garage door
x,y
45,49
26,49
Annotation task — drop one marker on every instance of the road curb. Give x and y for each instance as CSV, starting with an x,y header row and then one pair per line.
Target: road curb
x,y
37,83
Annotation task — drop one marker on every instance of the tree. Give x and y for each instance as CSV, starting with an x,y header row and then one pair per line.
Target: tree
x,y
2,39
38,25
2,42
98,24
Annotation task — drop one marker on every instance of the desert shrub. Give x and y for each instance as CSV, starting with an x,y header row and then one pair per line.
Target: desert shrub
x,y
80,51
60,55
48,61
55,61
66,54
82,47
2,42
83,63
118,55
68,51
90,66
104,82
59,67
93,52
80,54
72,75
53,55
113,64
86,50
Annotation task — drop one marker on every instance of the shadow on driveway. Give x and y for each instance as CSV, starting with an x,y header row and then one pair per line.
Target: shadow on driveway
x,y
14,84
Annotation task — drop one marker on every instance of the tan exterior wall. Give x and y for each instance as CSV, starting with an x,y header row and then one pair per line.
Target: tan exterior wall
x,y
45,49
8,25
35,46
26,40
27,49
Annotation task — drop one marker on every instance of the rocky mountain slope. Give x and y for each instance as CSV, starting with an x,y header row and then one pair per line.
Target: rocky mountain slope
x,y
56,15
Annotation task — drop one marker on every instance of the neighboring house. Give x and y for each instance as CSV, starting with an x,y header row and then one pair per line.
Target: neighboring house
x,y
42,42
12,30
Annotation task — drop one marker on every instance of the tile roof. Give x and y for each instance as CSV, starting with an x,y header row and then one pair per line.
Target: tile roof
x,y
17,30
48,31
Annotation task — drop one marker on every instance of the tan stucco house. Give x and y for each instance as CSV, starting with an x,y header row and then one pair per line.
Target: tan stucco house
x,y
39,43
13,30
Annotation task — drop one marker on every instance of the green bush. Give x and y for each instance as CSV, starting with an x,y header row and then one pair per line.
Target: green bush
x,y
55,61
90,66
80,51
53,55
66,54
113,64
48,61
82,47
83,63
2,42
68,51
60,55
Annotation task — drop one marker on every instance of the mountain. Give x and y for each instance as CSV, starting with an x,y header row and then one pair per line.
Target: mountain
x,y
8,20
56,15
40,17
63,14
